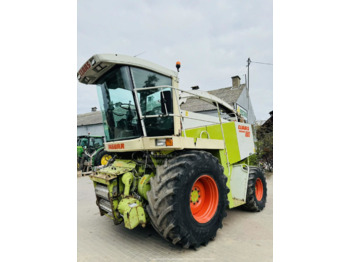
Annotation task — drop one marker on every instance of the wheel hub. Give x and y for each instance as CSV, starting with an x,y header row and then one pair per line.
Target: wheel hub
x,y
259,189
195,196
204,199
105,159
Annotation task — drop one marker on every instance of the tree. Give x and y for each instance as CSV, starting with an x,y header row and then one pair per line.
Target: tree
x,y
264,144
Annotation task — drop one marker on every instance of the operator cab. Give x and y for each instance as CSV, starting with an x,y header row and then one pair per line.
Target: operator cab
x,y
125,97
90,143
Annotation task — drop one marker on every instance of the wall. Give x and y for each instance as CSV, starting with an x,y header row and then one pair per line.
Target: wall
x,y
94,130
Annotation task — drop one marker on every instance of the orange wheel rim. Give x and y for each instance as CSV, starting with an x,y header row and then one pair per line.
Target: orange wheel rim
x,y
204,199
259,189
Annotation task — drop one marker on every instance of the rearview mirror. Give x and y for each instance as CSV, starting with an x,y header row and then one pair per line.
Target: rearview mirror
x,y
166,102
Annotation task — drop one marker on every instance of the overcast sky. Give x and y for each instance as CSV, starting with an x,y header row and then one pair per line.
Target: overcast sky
x,y
211,39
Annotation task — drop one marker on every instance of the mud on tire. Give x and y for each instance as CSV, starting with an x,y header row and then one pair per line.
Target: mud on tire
x,y
169,198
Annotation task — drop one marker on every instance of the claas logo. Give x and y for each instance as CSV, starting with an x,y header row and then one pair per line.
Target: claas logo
x,y
116,146
85,68
243,127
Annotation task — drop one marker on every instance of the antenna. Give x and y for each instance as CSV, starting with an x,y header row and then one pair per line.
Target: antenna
x,y
140,54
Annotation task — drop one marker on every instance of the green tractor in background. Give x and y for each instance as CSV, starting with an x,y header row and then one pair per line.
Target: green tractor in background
x,y
90,152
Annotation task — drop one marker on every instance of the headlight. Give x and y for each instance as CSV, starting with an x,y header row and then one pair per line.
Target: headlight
x,y
160,142
164,142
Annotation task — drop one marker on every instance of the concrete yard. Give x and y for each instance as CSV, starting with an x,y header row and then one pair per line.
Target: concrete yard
x,y
244,237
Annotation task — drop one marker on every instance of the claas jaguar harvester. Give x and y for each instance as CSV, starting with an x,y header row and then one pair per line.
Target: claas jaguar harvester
x,y
175,169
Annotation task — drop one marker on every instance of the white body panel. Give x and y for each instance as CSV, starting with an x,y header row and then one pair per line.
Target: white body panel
x,y
245,139
239,182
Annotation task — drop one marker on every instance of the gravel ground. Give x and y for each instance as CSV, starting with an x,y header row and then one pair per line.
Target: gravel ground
x,y
244,237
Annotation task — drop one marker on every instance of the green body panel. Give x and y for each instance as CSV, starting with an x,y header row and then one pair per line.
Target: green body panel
x,y
118,167
80,151
127,180
230,139
144,186
214,132
196,132
133,212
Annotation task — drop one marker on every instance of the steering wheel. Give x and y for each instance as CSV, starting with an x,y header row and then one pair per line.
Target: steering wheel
x,y
126,106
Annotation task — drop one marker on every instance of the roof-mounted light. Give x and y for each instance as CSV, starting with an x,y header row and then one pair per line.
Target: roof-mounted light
x,y
86,79
178,65
99,67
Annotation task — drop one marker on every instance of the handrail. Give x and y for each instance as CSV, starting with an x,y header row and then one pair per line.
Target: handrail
x,y
205,98
200,135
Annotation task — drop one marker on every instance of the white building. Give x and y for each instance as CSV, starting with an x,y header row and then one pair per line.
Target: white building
x,y
90,123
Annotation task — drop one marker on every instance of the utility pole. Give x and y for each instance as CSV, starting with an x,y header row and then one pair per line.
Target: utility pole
x,y
248,61
248,86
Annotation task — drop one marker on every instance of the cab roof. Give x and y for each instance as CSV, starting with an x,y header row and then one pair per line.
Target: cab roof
x,y
100,64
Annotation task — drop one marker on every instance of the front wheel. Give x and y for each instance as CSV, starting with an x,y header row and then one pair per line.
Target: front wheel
x,y
188,198
102,158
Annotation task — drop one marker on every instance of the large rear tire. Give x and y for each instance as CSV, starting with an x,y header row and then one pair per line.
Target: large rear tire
x,y
188,198
256,191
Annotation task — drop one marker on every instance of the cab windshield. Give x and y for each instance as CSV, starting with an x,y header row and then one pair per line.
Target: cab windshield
x,y
121,119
